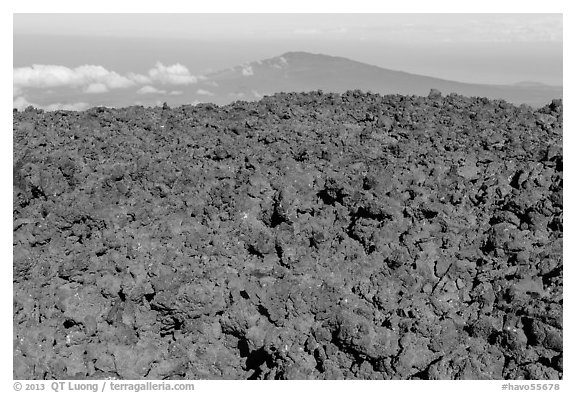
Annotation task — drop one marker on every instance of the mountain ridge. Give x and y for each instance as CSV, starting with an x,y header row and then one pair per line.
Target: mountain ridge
x,y
297,71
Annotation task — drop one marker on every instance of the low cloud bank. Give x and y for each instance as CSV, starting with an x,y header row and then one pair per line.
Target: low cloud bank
x,y
22,103
176,74
95,78
150,90
247,70
50,76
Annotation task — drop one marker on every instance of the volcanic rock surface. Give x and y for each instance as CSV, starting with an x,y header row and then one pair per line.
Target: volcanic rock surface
x,y
310,235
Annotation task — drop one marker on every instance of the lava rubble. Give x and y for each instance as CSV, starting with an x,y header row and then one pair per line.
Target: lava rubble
x,y
303,236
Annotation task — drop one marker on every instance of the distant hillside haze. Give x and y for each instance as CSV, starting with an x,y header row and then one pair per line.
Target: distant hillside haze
x,y
290,72
301,71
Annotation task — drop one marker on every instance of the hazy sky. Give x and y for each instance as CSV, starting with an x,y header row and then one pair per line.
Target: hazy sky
x,y
351,27
94,52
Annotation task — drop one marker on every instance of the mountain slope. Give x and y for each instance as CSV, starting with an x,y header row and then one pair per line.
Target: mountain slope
x,y
301,71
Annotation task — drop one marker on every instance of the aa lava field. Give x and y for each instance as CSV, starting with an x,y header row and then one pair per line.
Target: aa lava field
x,y
303,236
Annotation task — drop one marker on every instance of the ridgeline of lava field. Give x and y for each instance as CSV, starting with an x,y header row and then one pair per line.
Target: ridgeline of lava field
x,y
303,236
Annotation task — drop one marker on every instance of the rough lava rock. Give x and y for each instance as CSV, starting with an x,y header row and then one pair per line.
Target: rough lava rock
x,y
304,236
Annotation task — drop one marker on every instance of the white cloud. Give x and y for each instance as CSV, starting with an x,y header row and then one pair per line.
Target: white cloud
x,y
139,78
47,76
203,92
277,62
257,95
150,90
44,83
247,70
176,74
95,79
280,62
77,106
96,88
22,103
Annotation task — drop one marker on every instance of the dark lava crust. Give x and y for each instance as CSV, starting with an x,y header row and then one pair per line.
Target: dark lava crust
x,y
306,235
